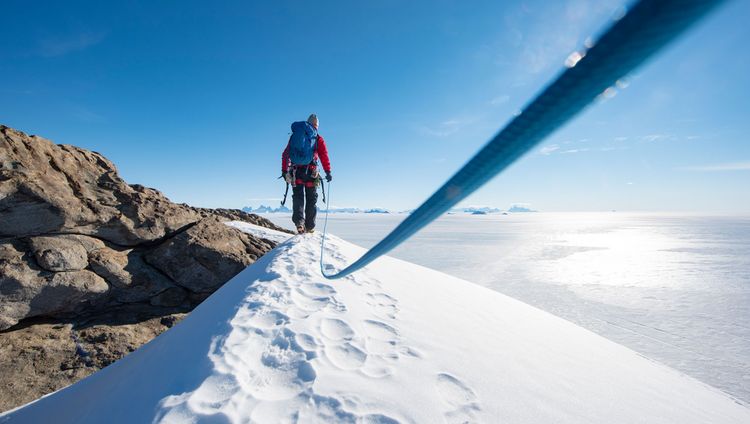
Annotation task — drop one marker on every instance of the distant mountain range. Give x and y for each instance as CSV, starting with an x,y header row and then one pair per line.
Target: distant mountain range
x,y
266,209
473,210
520,208
477,210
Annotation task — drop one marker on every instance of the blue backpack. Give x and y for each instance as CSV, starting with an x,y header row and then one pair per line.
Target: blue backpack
x,y
302,143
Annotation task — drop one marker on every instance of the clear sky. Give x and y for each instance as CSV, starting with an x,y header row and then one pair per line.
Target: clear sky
x,y
195,98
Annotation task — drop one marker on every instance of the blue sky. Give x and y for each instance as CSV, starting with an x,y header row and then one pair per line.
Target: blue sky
x,y
195,98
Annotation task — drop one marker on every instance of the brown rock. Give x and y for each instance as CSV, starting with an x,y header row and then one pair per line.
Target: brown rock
x,y
65,209
27,291
173,296
59,254
46,188
88,243
31,363
67,292
19,283
206,255
42,358
110,264
133,279
105,344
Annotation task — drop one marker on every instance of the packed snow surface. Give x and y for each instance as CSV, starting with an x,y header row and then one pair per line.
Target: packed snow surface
x,y
395,342
673,287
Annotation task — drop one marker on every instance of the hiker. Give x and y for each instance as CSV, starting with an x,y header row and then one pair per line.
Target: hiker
x,y
299,167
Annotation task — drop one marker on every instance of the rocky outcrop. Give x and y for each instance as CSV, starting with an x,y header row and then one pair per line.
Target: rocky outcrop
x,y
41,358
27,290
198,258
77,243
76,239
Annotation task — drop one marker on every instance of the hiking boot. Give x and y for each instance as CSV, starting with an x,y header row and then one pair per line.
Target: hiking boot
x,y
300,229
311,230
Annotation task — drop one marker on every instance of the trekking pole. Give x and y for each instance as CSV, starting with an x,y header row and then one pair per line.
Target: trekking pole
x,y
285,193
322,183
323,190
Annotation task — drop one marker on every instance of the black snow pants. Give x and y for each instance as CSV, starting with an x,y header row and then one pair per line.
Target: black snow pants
x,y
305,197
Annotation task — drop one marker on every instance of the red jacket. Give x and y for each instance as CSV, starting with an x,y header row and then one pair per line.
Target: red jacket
x,y
321,151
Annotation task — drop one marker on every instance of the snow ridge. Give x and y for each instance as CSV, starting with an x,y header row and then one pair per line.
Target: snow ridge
x,y
264,366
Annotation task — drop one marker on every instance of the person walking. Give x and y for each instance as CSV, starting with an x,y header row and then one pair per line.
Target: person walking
x,y
299,167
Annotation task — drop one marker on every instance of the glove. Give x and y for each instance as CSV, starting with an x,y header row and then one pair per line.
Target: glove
x,y
328,177
287,176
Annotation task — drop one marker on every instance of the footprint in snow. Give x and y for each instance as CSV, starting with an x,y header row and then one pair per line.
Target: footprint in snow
x,y
461,401
308,303
314,297
381,299
385,306
346,356
378,419
297,313
306,341
317,289
269,276
336,329
267,318
376,367
379,330
382,340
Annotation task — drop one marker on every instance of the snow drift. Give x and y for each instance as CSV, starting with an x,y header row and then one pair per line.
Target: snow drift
x,y
395,342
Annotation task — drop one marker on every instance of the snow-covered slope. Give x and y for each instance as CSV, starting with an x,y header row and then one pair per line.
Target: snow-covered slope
x,y
262,232
393,343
